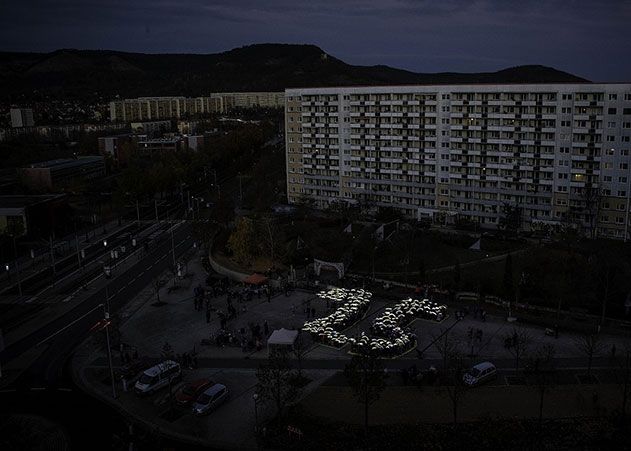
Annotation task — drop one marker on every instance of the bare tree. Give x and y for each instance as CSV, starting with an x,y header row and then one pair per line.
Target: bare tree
x,y
591,345
517,344
367,378
275,381
157,284
270,234
542,370
590,196
299,349
455,386
446,345
167,354
625,368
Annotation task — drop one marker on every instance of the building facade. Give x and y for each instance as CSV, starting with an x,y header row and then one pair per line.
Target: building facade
x,y
151,146
555,153
156,108
22,117
151,128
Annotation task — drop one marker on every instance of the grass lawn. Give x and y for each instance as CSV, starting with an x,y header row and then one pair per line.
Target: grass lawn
x,y
409,252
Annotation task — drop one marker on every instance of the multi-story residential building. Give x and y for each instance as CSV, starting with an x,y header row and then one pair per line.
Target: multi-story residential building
x,y
151,128
556,153
155,108
251,100
22,117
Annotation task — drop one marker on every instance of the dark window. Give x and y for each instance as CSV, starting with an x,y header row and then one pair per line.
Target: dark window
x,y
611,111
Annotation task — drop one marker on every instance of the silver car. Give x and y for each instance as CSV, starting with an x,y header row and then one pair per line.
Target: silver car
x,y
479,374
210,399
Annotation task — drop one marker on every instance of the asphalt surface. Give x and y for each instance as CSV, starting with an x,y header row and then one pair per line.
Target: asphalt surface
x,y
47,371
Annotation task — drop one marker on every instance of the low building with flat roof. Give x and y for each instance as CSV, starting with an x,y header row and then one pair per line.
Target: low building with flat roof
x,y
53,174
30,215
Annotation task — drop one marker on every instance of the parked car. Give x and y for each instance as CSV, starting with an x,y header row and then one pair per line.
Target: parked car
x,y
157,377
479,374
192,390
210,399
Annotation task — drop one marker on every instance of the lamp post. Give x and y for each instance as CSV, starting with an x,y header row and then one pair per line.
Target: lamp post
x,y
106,317
52,260
255,398
17,267
217,184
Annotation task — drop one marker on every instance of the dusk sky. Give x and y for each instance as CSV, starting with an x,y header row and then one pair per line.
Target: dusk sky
x,y
588,38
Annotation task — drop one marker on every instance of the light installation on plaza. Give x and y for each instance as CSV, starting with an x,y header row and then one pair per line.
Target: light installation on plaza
x,y
389,335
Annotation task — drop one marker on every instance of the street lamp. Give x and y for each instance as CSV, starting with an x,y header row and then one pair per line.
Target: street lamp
x,y
107,322
255,397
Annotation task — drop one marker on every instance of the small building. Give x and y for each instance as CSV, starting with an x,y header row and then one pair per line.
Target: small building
x,y
32,215
119,147
22,117
187,127
53,174
281,340
194,142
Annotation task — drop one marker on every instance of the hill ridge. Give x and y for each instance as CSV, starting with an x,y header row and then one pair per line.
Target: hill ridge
x,y
256,67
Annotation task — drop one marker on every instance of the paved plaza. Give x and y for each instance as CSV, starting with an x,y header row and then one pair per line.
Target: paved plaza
x,y
178,323
146,325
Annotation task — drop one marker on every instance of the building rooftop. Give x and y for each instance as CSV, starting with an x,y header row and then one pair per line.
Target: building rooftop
x,y
22,201
67,162
161,141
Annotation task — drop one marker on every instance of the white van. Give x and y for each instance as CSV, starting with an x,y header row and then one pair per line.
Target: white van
x,y
479,374
157,377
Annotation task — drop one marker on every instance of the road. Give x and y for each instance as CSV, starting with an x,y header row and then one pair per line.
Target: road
x,y
47,371
34,282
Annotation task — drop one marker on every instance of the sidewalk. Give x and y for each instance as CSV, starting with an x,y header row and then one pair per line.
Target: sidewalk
x,y
411,405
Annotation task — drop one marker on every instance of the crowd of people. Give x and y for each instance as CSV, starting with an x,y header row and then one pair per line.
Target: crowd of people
x,y
236,298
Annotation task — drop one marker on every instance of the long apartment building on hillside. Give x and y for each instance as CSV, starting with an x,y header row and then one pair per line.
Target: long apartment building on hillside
x,y
153,108
559,153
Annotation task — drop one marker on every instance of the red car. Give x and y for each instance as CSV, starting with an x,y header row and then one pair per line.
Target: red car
x,y
190,391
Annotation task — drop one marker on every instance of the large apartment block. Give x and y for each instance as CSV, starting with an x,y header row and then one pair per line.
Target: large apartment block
x,y
155,108
557,153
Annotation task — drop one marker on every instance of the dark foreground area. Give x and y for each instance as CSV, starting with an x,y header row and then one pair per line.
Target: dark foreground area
x,y
310,433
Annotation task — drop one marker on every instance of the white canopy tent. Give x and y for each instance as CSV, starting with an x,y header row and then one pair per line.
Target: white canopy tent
x,y
282,338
